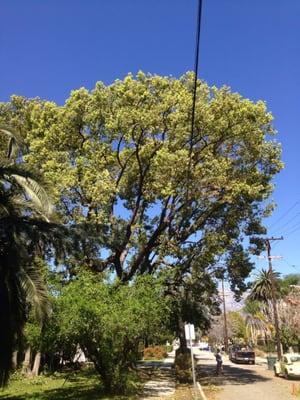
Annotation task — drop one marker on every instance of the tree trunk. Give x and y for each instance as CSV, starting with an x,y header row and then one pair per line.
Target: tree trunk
x,y
95,356
26,368
182,346
36,364
14,360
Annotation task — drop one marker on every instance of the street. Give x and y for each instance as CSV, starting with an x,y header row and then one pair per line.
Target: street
x,y
245,382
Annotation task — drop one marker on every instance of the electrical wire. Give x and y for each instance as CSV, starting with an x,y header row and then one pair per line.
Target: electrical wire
x,y
285,214
196,67
292,265
291,228
285,225
292,232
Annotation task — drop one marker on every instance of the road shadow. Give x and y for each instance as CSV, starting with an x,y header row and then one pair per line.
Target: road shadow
x,y
232,375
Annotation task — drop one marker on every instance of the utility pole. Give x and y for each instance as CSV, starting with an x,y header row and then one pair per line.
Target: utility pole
x,y
225,319
273,295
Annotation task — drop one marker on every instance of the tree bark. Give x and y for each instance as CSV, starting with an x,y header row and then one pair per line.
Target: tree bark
x,y
14,360
36,364
182,346
26,368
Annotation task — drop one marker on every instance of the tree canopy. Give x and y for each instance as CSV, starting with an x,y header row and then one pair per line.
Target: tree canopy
x,y
117,159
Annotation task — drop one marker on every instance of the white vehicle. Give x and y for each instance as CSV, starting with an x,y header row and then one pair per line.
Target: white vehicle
x,y
288,366
203,346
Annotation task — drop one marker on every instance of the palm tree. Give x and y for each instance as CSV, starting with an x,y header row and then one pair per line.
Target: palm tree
x,y
261,289
265,289
25,212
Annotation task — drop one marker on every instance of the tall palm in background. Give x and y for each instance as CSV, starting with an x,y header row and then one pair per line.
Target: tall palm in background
x,y
261,291
25,212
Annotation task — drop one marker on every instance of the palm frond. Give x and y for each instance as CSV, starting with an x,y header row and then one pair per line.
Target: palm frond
x,y
35,291
23,233
14,142
262,287
36,193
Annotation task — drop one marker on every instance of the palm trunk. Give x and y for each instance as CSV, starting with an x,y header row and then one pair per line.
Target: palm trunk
x,y
26,368
36,364
14,360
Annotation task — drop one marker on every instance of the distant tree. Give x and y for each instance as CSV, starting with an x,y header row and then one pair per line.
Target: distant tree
x,y
288,310
287,283
236,329
238,326
258,320
261,288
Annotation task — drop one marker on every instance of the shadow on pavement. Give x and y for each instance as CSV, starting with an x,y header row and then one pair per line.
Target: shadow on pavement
x,y
232,375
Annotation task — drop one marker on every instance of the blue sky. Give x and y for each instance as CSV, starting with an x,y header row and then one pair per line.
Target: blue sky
x,y
49,47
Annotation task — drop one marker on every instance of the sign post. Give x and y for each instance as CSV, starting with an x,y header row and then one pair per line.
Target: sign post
x,y
190,335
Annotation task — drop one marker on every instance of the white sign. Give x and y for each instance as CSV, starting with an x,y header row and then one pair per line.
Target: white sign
x,y
189,330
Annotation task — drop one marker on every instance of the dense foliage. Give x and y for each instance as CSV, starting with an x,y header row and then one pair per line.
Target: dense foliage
x,y
109,322
119,159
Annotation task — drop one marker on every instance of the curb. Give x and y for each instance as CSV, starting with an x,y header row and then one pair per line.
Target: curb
x,y
201,391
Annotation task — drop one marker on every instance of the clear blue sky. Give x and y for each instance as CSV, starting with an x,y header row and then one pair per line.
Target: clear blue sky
x,y
49,47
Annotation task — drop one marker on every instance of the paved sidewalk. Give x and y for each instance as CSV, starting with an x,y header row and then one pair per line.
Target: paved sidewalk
x,y
162,381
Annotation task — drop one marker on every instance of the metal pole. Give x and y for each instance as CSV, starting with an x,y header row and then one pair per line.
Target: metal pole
x,y
225,320
192,357
274,301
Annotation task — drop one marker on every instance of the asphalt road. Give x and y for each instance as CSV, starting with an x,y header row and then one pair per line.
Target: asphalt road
x,y
244,382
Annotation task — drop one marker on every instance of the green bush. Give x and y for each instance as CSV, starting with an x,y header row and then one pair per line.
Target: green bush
x,y
108,321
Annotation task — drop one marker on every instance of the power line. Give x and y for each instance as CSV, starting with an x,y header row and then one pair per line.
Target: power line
x,y
292,219
292,232
196,67
291,265
285,214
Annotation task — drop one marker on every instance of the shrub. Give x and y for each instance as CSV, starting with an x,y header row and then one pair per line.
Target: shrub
x,y
108,321
155,353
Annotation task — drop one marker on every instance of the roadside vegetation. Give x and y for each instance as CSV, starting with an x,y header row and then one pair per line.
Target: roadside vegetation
x,y
253,324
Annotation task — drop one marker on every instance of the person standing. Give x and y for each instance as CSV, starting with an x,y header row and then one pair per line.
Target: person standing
x,y
219,368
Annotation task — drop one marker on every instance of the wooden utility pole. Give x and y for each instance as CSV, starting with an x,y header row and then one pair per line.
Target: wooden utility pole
x,y
225,319
273,296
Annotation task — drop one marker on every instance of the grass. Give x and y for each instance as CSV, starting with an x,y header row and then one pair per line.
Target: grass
x,y
82,385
